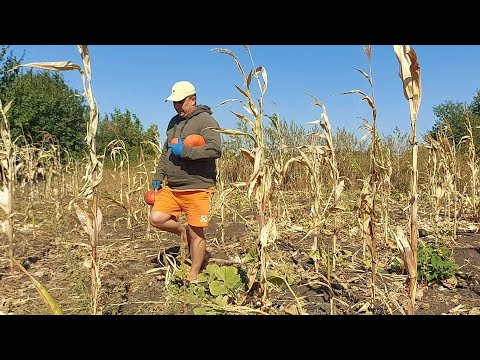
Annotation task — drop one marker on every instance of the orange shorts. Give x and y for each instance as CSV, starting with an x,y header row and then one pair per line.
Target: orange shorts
x,y
194,203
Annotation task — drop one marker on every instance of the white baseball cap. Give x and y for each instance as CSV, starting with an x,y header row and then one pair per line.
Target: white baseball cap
x,y
181,90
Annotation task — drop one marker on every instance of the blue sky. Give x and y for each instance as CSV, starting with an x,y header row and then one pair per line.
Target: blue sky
x,y
140,77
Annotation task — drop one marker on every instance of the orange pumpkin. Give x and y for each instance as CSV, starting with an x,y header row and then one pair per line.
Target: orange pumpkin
x,y
191,140
149,196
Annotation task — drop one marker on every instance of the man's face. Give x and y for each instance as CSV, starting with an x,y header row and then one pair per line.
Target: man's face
x,y
185,106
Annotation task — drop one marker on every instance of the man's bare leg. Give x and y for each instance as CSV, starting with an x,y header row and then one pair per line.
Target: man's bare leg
x,y
197,243
166,222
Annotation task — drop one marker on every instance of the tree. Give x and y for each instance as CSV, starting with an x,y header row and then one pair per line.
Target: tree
x,y
475,105
454,113
7,62
43,102
126,127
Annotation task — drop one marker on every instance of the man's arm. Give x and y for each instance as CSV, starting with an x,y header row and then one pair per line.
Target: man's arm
x,y
160,172
213,147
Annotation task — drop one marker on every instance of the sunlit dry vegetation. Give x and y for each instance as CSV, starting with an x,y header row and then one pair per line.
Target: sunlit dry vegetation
x,y
306,219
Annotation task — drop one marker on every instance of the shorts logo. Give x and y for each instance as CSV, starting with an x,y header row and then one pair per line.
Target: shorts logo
x,y
203,218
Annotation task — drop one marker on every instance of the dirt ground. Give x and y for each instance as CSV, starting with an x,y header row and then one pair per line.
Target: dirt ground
x,y
55,251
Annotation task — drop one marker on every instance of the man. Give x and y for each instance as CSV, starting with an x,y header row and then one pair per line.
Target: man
x,y
189,173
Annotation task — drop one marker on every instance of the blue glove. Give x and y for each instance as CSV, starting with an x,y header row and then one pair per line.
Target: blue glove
x,y
156,184
177,148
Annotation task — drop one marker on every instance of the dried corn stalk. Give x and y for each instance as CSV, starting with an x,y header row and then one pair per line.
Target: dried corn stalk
x,y
412,89
263,178
7,162
367,205
94,170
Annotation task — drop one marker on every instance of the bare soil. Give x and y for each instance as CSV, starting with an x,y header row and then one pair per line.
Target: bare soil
x,y
55,251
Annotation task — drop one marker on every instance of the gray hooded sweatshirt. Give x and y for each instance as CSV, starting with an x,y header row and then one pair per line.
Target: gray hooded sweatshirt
x,y
196,167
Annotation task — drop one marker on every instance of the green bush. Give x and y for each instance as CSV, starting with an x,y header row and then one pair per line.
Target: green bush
x,y
435,263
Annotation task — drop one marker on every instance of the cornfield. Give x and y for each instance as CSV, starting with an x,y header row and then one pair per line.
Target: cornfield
x,y
306,220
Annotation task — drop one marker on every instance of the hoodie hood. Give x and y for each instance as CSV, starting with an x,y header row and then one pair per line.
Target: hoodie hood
x,y
200,109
